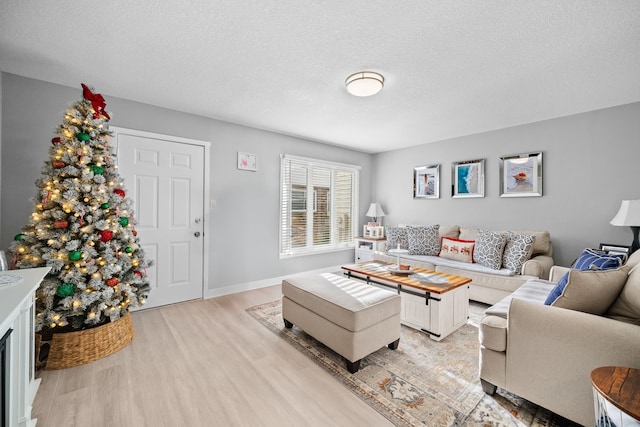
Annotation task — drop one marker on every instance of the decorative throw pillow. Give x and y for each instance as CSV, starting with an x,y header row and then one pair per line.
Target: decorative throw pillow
x,y
626,307
489,248
588,260
459,250
423,240
397,236
517,251
592,291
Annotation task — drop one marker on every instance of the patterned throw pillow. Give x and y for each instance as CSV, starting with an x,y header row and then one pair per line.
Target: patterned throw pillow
x,y
423,240
459,250
489,249
397,236
517,250
589,260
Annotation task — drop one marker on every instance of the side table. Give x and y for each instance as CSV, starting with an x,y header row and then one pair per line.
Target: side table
x,y
616,394
366,246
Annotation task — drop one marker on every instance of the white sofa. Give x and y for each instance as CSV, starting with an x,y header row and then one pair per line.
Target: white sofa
x,y
545,354
488,286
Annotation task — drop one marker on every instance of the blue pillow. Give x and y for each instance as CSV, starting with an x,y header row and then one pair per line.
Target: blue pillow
x,y
588,260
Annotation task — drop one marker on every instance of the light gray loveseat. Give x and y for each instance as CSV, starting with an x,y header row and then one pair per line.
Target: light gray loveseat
x,y
545,354
488,286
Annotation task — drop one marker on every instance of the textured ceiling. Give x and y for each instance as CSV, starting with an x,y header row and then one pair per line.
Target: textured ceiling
x,y
452,68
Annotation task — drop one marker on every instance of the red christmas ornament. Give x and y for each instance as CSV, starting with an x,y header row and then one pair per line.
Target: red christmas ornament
x,y
57,140
119,192
58,164
106,235
134,232
61,223
138,273
112,282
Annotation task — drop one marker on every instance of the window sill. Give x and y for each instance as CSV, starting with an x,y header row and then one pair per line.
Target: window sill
x,y
317,252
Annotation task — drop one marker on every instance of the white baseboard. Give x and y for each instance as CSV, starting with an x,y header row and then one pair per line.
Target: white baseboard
x,y
242,287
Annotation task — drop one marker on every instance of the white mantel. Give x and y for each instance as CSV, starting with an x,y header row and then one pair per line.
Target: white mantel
x,y
17,313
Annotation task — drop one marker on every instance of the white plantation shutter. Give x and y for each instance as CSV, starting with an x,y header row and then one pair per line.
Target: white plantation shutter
x,y
318,205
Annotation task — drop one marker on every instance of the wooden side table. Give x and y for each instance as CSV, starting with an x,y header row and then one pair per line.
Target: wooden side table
x,y
616,393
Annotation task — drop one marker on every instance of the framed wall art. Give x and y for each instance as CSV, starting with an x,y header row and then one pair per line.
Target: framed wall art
x,y
247,162
521,175
426,182
467,179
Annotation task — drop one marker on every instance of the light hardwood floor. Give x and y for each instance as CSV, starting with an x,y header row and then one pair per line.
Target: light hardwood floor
x,y
201,363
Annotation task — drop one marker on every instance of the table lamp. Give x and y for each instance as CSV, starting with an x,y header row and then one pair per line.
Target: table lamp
x,y
375,211
629,214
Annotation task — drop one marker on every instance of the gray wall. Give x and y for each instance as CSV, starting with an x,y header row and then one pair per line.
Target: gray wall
x,y
590,164
244,226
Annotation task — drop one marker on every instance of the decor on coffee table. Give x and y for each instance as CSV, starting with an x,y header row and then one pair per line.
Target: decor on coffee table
x,y
423,382
426,182
521,175
467,179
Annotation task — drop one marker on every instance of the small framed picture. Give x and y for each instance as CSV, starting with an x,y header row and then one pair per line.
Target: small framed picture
x,y
426,182
467,179
521,175
614,249
247,162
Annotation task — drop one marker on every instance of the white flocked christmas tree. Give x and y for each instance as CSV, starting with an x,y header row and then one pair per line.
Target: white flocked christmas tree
x,y
82,227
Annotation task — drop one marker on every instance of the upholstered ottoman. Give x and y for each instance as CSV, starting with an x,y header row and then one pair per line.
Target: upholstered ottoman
x,y
350,317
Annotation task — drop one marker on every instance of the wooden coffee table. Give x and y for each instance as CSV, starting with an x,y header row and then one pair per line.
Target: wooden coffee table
x,y
435,303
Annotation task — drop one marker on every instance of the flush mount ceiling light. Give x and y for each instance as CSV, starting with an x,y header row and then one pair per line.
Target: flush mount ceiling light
x,y
364,83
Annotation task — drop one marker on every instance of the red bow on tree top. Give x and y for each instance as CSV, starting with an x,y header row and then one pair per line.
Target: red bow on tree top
x,y
97,101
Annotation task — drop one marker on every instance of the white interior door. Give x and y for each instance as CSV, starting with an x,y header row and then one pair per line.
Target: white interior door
x,y
165,178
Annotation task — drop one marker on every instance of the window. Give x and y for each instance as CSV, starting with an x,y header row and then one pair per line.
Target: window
x,y
299,200
331,190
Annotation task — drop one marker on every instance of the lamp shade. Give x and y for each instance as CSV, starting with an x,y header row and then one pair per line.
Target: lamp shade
x,y
628,214
375,211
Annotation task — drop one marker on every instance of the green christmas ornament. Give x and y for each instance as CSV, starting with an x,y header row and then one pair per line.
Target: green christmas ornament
x,y
75,255
124,221
19,237
97,170
65,290
83,136
128,250
105,206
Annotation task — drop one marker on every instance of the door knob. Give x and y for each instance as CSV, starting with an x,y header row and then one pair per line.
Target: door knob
x,y
197,234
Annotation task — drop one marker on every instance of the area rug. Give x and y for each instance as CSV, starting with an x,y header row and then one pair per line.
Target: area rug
x,y
423,382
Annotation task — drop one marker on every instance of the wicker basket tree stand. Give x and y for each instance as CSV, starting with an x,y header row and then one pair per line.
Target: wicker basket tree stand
x,y
69,349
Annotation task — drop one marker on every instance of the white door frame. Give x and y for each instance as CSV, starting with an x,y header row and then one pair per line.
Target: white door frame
x,y
206,196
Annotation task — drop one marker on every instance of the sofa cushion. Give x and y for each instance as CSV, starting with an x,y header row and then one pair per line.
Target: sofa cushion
x,y
588,260
423,240
592,291
452,231
533,290
489,248
397,236
468,233
456,249
626,307
542,244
